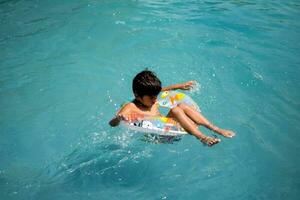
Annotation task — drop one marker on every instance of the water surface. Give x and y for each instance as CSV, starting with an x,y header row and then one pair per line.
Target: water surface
x,y
66,67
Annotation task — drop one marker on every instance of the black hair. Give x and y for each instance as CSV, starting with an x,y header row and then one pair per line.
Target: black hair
x,y
146,83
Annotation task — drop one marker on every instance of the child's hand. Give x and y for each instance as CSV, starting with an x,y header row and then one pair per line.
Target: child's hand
x,y
187,85
121,117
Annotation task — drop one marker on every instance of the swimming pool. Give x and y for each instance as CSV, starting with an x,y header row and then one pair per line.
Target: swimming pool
x,y
66,68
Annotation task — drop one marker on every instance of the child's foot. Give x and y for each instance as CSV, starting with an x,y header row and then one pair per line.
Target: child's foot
x,y
210,141
226,133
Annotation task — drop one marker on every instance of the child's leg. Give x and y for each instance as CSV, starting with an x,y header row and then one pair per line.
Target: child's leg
x,y
179,115
199,119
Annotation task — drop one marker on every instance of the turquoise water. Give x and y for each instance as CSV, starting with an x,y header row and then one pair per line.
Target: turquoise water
x,y
66,67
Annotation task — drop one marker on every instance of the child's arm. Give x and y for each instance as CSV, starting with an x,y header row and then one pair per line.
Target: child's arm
x,y
120,116
183,86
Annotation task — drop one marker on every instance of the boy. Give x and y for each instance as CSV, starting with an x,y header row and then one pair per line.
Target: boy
x,y
146,86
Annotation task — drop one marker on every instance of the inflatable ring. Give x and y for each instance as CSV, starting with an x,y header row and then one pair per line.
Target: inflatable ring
x,y
157,125
171,99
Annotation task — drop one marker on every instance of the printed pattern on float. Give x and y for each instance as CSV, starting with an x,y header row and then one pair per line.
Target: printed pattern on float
x,y
157,125
170,99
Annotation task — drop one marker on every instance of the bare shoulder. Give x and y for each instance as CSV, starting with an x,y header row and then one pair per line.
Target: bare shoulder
x,y
128,105
127,108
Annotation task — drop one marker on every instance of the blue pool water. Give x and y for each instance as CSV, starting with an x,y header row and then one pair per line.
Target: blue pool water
x,y
66,67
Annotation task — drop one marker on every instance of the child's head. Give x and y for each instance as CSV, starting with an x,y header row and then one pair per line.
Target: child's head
x,y
146,83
